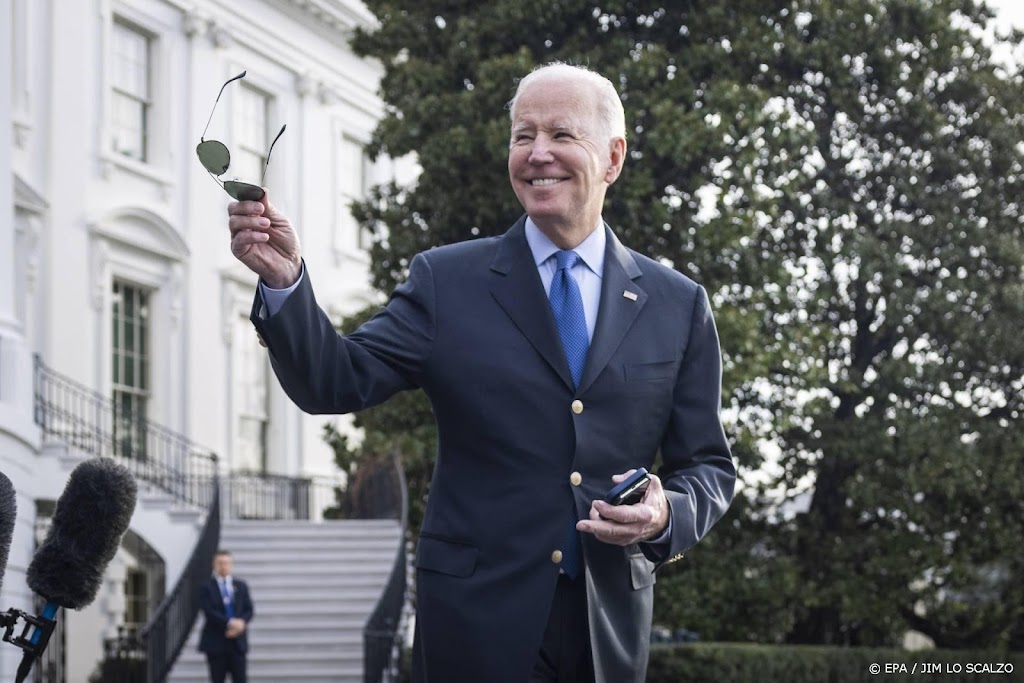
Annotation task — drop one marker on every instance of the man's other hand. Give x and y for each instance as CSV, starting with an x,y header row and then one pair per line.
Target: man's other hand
x,y
263,239
627,524
235,628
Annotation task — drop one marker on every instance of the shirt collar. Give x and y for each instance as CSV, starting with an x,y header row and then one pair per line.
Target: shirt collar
x,y
590,250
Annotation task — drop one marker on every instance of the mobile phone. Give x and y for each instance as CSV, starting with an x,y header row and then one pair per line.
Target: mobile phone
x,y
629,491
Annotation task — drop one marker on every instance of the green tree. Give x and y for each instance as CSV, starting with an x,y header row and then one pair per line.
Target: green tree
x,y
844,176
403,425
909,258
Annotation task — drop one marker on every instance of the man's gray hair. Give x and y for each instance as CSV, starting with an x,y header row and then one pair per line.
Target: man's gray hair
x,y
610,114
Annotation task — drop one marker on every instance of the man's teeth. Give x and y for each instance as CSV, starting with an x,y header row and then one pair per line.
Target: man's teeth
x,y
544,181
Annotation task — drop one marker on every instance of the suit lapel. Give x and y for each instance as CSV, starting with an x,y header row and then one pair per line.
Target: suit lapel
x,y
617,310
218,598
519,291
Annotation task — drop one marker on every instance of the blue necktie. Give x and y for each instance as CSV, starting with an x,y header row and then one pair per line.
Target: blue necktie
x,y
227,597
567,306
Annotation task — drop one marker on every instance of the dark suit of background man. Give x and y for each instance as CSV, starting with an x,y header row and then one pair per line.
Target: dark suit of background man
x,y
227,606
551,375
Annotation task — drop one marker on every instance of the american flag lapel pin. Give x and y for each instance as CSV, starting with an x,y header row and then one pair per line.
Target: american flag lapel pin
x,y
629,295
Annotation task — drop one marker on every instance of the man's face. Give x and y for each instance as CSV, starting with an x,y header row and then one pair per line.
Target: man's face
x,y
222,565
559,162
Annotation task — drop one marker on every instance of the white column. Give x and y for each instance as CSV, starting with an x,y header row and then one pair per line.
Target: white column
x,y
15,367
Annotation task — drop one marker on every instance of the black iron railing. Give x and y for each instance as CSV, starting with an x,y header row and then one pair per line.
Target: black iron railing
x,y
124,659
92,423
381,641
148,655
167,631
271,496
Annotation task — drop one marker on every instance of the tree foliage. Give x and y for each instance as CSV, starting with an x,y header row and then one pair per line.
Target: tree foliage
x,y
845,177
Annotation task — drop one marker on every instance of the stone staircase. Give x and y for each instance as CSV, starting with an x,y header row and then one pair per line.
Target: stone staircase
x,y
313,587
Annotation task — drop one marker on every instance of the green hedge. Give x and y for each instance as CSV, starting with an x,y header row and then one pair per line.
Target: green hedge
x,y
749,663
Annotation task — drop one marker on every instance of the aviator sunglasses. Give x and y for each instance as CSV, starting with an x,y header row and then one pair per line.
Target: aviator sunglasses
x,y
215,158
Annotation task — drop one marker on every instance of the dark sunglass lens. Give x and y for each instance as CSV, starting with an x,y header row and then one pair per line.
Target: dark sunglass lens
x,y
214,156
243,192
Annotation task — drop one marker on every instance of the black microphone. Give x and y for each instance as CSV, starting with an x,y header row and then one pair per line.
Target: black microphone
x,y
67,570
8,511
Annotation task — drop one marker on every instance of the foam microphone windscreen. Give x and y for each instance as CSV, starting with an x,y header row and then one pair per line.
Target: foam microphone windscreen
x,y
91,516
8,511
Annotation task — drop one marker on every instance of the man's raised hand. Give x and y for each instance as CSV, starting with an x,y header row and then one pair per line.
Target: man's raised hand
x,y
263,239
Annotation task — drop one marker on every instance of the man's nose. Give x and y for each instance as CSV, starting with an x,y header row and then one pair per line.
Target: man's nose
x,y
540,150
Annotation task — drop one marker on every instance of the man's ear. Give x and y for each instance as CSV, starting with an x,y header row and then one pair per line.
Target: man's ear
x,y
616,158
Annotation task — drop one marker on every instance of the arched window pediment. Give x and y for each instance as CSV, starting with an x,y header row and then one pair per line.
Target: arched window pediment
x,y
142,229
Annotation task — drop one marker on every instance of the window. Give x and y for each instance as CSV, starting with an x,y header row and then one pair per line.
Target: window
x,y
351,167
144,580
252,383
130,100
136,600
249,156
130,363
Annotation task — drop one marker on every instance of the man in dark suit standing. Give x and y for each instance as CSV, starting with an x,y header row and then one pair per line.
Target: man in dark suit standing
x,y
556,361
227,606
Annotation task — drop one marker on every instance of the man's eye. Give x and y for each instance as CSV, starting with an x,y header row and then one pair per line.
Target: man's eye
x,y
563,134
520,137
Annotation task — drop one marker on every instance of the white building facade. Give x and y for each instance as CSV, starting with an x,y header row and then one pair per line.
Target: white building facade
x,y
115,267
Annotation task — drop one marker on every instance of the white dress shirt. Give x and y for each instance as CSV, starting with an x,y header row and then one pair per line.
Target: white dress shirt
x,y
588,271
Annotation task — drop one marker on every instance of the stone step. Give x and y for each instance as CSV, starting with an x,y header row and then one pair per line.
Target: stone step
x,y
268,562
286,623
305,637
262,669
350,674
290,528
310,579
301,545
332,608
303,597
314,552
266,626
292,539
296,636
308,649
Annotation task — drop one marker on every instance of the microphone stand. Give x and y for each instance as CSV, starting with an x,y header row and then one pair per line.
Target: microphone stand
x,y
33,646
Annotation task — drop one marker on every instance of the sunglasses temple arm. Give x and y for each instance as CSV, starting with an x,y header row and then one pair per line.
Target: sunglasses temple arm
x,y
217,180
270,151
203,136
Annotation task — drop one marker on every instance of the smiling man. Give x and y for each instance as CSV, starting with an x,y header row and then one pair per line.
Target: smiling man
x,y
567,148
556,361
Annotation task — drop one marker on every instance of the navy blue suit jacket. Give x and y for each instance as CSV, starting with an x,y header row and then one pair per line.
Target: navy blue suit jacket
x,y
473,328
212,640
